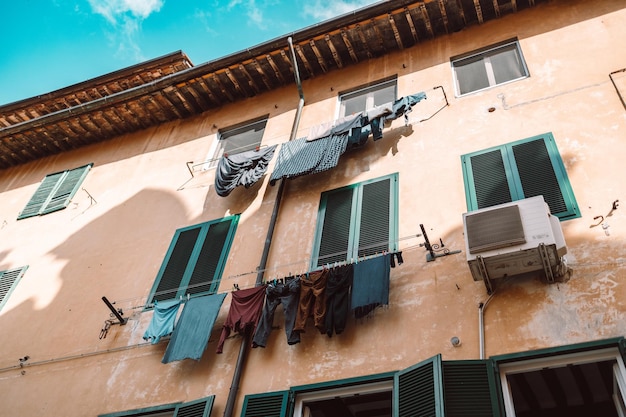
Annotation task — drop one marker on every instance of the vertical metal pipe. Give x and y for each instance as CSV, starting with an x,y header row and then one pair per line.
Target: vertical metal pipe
x,y
243,350
481,326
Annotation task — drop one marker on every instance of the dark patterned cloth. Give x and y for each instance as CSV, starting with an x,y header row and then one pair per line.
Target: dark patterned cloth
x,y
244,168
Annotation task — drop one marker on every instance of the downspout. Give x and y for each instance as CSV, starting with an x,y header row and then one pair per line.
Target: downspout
x,y
481,325
243,350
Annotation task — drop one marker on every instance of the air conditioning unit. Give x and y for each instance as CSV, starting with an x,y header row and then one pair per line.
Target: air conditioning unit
x,y
512,239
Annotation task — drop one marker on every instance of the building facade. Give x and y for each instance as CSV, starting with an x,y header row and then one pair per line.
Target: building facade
x,y
428,194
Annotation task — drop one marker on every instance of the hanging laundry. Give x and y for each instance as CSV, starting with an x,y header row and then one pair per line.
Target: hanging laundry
x,y
245,311
193,329
244,168
162,323
370,285
351,124
398,256
312,300
287,294
338,298
299,157
404,105
376,118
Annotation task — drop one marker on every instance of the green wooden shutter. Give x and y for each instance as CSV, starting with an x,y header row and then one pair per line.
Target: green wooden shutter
x,y
374,225
271,404
470,389
198,408
8,282
489,180
209,264
418,390
176,263
541,172
335,234
55,192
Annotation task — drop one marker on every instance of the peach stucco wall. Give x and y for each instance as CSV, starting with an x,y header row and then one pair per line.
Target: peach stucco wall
x,y
142,192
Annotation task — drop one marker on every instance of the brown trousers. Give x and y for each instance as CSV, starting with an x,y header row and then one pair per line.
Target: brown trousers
x,y
312,300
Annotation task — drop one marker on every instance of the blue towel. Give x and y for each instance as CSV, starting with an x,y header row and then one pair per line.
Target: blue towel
x,y
162,323
370,285
192,331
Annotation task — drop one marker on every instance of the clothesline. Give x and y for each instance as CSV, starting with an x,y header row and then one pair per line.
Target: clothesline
x,y
277,267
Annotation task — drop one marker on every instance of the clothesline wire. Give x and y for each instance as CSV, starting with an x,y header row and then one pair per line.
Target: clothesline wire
x,y
277,267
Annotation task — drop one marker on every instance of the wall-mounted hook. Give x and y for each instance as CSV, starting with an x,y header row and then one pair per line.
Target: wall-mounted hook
x,y
432,249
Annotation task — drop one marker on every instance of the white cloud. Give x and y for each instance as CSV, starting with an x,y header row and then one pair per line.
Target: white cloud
x,y
125,16
253,11
112,10
328,9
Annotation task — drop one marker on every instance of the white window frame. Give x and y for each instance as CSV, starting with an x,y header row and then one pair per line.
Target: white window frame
x,y
359,389
486,57
601,355
367,92
217,147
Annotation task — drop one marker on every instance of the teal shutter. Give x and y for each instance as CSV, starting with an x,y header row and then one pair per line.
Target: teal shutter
x,y
335,234
418,390
470,389
374,226
198,408
176,263
489,179
195,260
8,281
271,404
55,192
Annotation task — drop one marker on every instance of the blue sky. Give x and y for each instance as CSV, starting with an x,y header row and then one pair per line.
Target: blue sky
x,y
51,44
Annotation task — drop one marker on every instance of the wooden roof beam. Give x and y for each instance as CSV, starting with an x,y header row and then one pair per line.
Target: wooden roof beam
x,y
304,60
259,70
409,20
346,41
444,14
359,32
318,55
277,73
251,81
333,50
426,19
396,34
479,11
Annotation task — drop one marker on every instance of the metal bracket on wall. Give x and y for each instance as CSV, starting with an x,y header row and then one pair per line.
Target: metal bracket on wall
x,y
437,250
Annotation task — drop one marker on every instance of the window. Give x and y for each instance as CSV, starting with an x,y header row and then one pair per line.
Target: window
x,y
55,192
8,281
195,260
356,221
198,408
366,98
490,67
238,139
518,170
579,380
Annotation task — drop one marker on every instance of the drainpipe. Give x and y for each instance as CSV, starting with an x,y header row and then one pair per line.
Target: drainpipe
x,y
481,325
243,350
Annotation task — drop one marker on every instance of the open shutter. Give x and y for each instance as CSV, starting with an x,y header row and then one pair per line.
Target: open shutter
x,y
8,282
418,390
65,189
209,264
335,234
55,192
198,408
486,180
271,404
176,262
374,225
470,389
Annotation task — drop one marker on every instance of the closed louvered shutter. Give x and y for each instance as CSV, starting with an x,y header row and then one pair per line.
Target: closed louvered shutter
x,y
213,248
8,282
537,174
55,192
490,182
334,243
375,213
176,264
271,404
418,390
199,408
469,389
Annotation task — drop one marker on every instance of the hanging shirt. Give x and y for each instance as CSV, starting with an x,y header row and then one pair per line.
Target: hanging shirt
x,y
370,285
244,168
162,323
245,310
192,331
